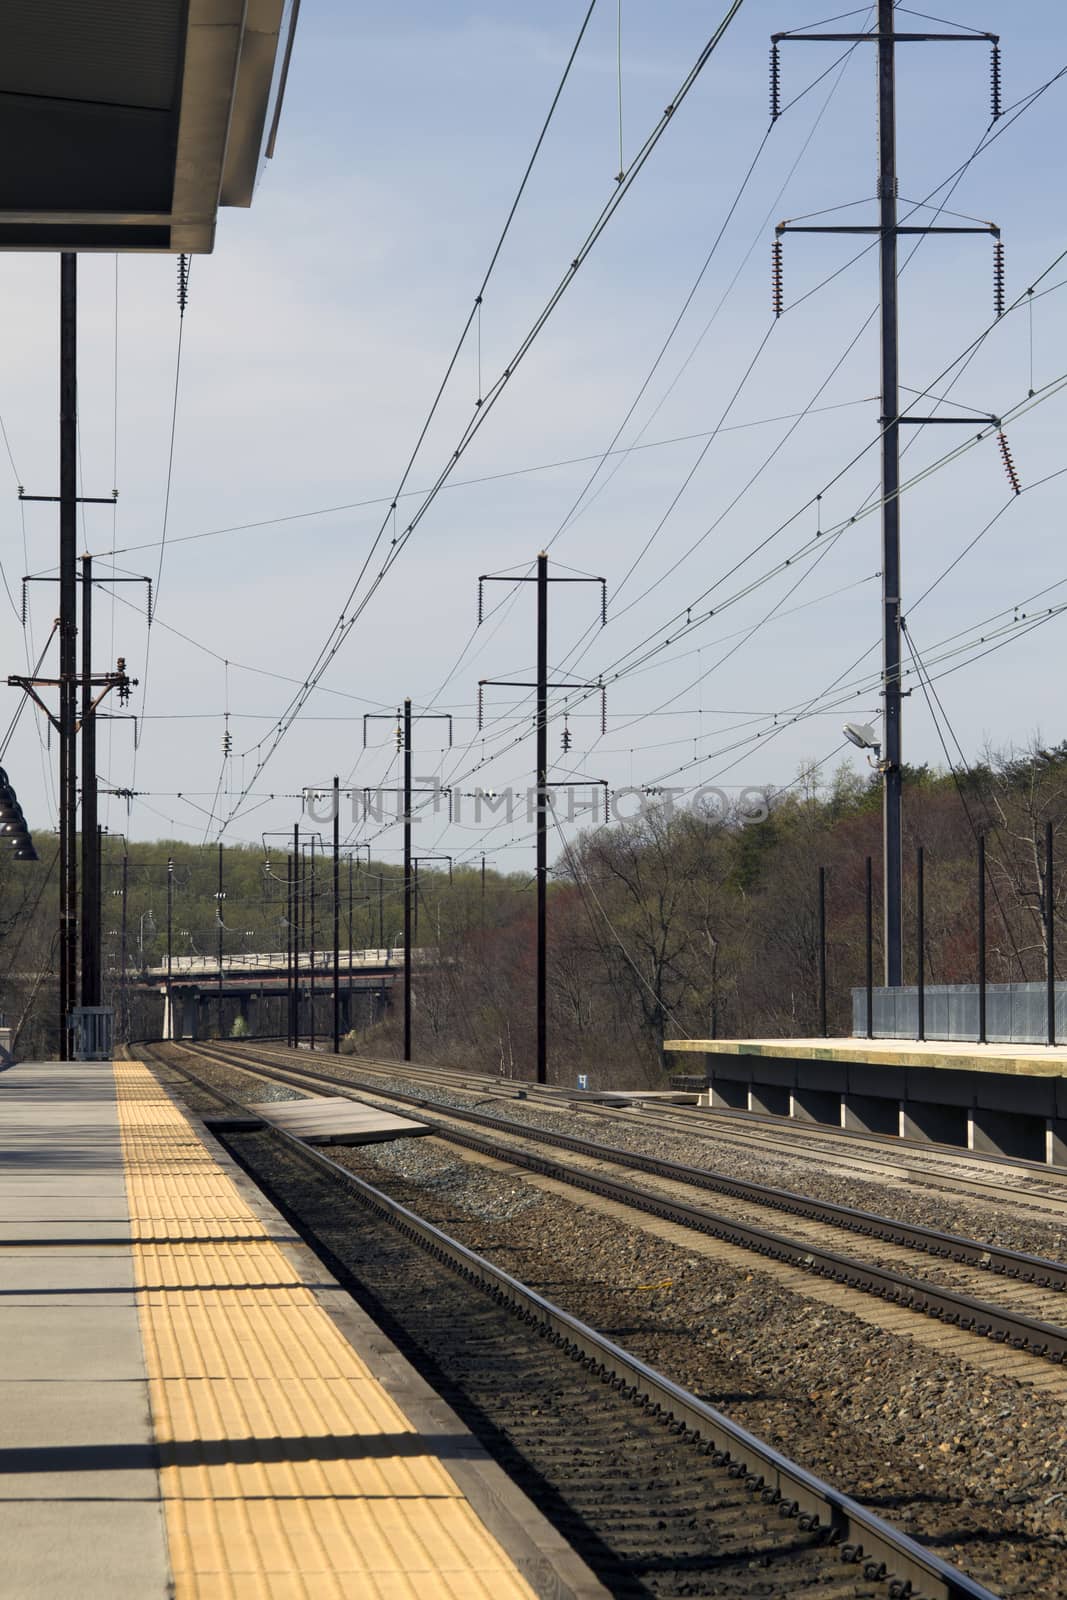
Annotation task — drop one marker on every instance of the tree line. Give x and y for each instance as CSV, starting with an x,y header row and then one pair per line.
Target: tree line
x,y
677,922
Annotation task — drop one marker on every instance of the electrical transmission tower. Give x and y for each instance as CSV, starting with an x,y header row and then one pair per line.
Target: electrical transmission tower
x,y
888,230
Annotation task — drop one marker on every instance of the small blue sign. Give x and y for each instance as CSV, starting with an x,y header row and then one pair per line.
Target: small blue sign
x,y
583,1080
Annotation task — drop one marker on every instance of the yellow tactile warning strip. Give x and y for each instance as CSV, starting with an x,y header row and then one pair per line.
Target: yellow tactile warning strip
x,y
287,1471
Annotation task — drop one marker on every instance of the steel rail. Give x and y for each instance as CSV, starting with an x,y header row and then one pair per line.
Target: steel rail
x,y
983,1317
727,1116
1016,1264
862,1537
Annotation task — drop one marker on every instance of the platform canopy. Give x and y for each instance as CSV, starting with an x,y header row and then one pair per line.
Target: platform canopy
x,y
127,123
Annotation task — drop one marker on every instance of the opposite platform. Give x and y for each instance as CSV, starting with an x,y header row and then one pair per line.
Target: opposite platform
x,y
192,1406
996,1099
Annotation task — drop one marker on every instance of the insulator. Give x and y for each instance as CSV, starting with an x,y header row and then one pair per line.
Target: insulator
x,y
776,277
603,604
603,710
776,84
183,283
23,609
399,736
481,705
566,736
994,82
998,279
227,744
1009,464
148,613
481,602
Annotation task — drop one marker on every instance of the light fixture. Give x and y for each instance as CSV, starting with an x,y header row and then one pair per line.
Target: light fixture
x,y
863,736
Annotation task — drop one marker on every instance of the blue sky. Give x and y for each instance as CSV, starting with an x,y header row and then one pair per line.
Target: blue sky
x,y
317,333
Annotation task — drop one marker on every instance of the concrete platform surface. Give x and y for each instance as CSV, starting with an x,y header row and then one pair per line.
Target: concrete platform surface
x,y
1031,1060
191,1406
80,1507
335,1119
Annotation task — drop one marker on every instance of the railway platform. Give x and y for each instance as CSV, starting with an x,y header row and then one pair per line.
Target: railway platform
x,y
191,1406
996,1099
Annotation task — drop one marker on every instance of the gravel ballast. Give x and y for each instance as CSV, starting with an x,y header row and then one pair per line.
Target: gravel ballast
x,y
974,1464
993,1221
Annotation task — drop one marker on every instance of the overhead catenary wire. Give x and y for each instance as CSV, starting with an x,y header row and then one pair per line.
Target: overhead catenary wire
x,y
352,609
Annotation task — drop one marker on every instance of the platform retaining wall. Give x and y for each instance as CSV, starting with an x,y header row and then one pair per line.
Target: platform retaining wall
x,y
1010,1114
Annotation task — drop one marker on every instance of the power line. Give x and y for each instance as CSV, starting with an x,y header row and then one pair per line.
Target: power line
x,y
347,621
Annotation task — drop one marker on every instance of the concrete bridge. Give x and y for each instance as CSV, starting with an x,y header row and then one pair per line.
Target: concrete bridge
x,y
201,998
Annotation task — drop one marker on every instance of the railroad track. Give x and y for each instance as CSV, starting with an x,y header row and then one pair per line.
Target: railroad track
x,y
660,1492
952,1305
937,1166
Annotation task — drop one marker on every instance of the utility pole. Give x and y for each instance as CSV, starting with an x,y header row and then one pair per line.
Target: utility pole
x,y
889,231
68,629
541,685
403,734
543,800
125,898
218,919
311,944
407,879
337,916
892,835
170,946
297,904
350,966
90,946
289,949
65,721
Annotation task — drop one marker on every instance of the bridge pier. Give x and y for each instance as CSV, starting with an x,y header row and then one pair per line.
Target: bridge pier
x,y
190,1015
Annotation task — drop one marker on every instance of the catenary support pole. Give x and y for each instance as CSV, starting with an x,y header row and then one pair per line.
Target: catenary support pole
x,y
68,633
869,930
920,942
90,906
981,941
123,998
297,916
289,1039
407,879
823,1027
1050,936
170,947
885,39
337,916
218,932
892,888
542,817
311,944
